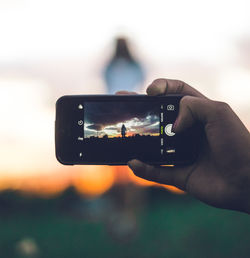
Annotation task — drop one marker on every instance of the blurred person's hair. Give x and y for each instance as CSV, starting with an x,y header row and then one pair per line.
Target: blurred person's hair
x,y
122,49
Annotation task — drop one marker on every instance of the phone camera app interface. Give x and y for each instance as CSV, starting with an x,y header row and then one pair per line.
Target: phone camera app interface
x,y
120,120
119,130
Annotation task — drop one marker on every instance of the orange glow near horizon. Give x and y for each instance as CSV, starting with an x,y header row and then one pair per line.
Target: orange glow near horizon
x,y
44,186
130,134
93,181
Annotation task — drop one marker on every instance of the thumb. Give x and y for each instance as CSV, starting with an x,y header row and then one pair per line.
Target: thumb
x,y
193,110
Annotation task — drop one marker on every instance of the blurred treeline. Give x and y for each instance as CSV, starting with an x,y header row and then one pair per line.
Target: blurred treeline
x,y
163,225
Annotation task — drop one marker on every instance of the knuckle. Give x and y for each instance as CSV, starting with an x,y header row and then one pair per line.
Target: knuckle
x,y
179,82
180,86
221,107
186,100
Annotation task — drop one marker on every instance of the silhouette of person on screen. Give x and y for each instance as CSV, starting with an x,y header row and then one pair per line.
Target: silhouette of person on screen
x,y
123,130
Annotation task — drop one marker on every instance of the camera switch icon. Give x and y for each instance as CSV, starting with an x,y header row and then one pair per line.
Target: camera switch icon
x,y
170,107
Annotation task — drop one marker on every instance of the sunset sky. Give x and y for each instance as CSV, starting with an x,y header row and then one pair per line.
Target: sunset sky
x,y
102,118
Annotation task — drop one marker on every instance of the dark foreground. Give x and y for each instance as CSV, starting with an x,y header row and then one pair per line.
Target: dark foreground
x,y
121,149
166,225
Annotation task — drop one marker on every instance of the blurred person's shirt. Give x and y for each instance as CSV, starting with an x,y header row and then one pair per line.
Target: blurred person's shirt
x,y
123,72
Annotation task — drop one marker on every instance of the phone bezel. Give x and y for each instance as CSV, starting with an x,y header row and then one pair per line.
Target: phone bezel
x,y
62,120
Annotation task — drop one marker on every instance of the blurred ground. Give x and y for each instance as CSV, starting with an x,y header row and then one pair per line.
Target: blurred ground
x,y
167,226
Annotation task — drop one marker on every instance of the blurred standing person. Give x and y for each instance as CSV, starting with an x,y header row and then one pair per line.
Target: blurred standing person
x,y
123,71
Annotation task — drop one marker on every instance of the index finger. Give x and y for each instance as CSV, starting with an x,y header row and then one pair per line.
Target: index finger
x,y
167,86
177,176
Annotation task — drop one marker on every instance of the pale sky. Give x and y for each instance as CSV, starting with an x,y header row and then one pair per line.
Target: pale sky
x,y
50,48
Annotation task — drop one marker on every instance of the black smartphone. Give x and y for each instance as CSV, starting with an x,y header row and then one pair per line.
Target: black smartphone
x,y
113,129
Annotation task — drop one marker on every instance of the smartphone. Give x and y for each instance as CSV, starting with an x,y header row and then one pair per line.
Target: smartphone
x,y
113,129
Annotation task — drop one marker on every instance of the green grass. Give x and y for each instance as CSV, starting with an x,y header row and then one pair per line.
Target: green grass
x,y
175,226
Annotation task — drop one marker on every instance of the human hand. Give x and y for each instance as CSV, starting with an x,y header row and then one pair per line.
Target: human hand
x,y
221,175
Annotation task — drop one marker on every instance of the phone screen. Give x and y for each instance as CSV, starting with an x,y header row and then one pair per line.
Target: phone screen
x,y
114,130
